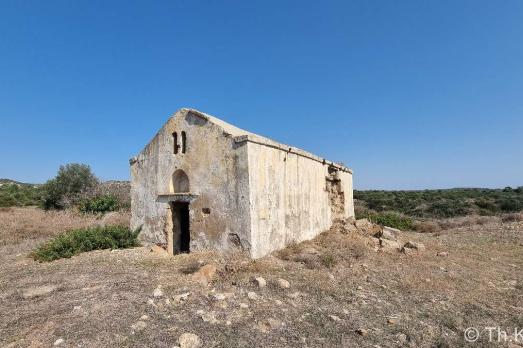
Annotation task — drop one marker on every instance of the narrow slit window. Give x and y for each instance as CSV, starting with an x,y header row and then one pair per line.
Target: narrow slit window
x,y
175,142
184,142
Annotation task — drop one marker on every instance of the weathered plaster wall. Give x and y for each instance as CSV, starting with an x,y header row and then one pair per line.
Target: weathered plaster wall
x,y
346,182
288,197
217,170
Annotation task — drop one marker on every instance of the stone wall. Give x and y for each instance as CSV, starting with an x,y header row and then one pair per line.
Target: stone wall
x,y
289,195
216,167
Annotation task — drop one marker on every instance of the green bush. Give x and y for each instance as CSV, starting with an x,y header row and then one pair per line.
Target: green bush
x,y
100,204
66,188
393,220
76,241
511,205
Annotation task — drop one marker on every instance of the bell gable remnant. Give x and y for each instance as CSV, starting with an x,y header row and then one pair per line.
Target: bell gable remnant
x,y
204,184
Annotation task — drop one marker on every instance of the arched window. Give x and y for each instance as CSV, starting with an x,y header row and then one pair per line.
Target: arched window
x,y
184,142
180,182
175,142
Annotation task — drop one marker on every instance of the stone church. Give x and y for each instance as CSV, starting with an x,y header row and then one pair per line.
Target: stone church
x,y
204,184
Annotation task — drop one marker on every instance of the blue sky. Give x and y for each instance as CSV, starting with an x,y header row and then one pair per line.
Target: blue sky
x,y
410,94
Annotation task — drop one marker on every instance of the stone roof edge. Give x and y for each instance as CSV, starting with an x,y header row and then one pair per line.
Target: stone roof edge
x,y
289,149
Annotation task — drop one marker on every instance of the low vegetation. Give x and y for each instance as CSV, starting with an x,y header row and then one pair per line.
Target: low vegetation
x,y
72,182
390,219
17,194
75,186
86,239
443,203
98,204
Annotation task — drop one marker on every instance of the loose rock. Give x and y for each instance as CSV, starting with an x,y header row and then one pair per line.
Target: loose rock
x,y
414,246
139,325
158,250
269,324
389,245
189,340
283,284
260,281
58,342
209,317
310,251
182,297
252,295
38,291
362,332
158,292
335,318
218,297
205,274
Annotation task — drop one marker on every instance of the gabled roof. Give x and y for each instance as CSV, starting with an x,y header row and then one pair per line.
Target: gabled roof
x,y
241,136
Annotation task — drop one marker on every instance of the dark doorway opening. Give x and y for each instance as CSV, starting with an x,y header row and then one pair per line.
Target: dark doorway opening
x,y
181,234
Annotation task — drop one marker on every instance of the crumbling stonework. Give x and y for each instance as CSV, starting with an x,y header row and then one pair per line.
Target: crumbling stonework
x,y
208,184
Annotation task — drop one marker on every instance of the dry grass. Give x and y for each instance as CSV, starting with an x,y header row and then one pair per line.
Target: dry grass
x,y
432,226
32,225
430,298
512,217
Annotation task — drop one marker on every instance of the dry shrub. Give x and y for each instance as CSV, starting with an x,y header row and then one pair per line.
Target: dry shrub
x,y
120,218
426,226
328,249
458,222
191,267
485,220
466,221
515,217
288,252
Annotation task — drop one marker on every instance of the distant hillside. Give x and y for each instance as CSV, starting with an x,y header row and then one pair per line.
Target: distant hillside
x,y
14,182
18,194
441,203
15,193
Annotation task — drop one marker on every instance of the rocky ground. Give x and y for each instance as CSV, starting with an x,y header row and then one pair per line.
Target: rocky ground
x,y
346,288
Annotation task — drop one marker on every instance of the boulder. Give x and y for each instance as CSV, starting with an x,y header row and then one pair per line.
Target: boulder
x,y
362,224
389,233
389,245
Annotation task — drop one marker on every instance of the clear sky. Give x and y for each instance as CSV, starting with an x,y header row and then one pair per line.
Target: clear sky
x,y
409,94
